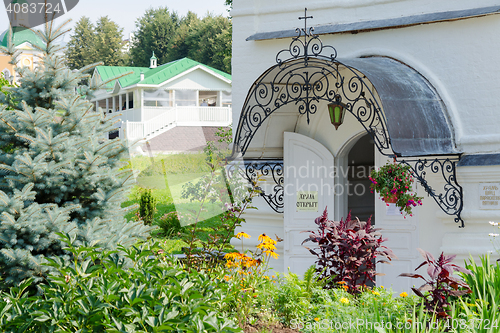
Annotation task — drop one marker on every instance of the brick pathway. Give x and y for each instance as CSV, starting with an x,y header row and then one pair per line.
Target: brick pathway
x,y
181,139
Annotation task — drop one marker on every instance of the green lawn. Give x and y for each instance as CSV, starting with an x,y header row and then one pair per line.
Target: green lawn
x,y
166,175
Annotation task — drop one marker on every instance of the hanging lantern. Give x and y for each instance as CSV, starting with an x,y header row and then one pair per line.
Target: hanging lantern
x,y
337,113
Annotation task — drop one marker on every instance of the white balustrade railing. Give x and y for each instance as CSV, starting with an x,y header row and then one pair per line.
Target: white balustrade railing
x,y
151,112
130,115
203,116
160,120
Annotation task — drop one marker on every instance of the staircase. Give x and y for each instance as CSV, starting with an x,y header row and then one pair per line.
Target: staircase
x,y
177,116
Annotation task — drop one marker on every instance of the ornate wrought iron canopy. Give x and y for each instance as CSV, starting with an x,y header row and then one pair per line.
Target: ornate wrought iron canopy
x,y
308,74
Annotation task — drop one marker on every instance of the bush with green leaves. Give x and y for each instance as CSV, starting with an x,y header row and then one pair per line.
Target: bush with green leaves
x,y
170,224
98,293
58,174
147,206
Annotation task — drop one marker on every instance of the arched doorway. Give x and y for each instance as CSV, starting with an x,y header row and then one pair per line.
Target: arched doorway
x,y
361,160
393,107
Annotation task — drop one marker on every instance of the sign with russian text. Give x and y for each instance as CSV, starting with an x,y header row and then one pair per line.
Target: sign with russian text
x,y
489,196
307,201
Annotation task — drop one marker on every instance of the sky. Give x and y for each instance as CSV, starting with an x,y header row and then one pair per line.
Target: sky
x,y
126,12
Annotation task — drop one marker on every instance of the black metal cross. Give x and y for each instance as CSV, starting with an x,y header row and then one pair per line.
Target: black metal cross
x,y
305,17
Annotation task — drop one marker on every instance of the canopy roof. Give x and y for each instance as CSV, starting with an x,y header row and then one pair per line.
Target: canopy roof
x,y
152,76
414,114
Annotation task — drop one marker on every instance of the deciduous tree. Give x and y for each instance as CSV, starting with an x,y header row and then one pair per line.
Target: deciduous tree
x,y
154,31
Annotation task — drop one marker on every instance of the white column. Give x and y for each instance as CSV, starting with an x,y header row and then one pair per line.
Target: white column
x,y
176,114
120,131
114,103
120,102
126,101
197,98
107,105
142,105
219,98
96,106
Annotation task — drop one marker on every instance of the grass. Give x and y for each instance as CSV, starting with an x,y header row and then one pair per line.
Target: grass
x,y
172,164
166,175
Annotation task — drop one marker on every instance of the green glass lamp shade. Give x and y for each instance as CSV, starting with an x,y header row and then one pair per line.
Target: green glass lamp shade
x,y
337,114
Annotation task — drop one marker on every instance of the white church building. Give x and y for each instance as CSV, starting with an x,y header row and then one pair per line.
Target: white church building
x,y
419,82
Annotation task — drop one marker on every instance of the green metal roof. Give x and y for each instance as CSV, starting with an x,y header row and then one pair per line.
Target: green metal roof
x,y
22,35
152,76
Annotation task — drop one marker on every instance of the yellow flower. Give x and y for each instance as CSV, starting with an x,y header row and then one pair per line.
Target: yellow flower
x,y
403,294
242,234
232,256
269,246
271,241
266,277
382,287
272,254
376,293
316,319
344,300
227,277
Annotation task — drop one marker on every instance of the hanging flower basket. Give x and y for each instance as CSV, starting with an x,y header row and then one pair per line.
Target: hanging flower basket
x,y
393,182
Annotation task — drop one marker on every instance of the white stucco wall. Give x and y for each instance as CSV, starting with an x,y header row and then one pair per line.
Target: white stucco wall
x,y
197,80
459,58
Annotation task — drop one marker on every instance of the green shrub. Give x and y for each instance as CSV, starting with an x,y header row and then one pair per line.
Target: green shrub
x,y
100,294
147,206
290,299
169,224
484,281
305,305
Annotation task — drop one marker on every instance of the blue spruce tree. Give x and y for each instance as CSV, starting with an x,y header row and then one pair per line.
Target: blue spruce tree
x,y
58,173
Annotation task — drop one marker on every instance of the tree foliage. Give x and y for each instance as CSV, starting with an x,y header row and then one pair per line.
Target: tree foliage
x,y
57,172
108,42
100,43
207,40
154,31
80,51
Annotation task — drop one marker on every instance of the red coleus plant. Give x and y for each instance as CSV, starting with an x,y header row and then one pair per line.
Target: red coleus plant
x,y
347,252
437,290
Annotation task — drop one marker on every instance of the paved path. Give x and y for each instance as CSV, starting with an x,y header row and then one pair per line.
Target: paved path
x,y
181,139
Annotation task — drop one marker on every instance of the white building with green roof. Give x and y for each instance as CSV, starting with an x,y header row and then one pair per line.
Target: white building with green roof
x,y
153,100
